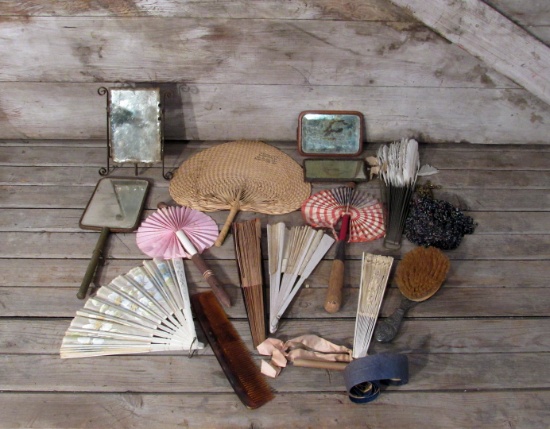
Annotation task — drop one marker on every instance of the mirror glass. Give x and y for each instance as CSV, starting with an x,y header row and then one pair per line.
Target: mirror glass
x,y
331,134
327,170
116,203
135,125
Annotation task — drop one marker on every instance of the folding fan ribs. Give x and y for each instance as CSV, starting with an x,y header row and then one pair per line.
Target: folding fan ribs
x,y
145,310
326,208
361,219
293,255
181,232
247,236
375,270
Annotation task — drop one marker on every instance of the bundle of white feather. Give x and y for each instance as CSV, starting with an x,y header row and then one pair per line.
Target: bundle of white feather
x,y
399,164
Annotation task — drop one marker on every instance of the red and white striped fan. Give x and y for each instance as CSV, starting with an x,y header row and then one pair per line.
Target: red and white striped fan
x,y
326,208
157,237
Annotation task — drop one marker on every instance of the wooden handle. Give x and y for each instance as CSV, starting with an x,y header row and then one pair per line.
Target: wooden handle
x,y
92,266
333,299
227,225
200,263
320,364
212,280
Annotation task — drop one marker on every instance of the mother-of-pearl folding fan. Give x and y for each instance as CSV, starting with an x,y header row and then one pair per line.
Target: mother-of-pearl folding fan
x,y
145,310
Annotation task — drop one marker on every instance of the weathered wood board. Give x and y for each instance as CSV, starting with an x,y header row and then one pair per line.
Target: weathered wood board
x,y
247,69
490,36
251,52
138,410
270,112
478,350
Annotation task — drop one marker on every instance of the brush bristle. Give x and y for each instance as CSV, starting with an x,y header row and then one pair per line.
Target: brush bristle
x,y
234,357
422,272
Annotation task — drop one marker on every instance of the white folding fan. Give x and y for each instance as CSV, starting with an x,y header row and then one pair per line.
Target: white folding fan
x,y
293,254
375,271
145,310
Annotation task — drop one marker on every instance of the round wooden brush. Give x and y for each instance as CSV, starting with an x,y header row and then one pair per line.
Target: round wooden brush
x,y
419,276
421,273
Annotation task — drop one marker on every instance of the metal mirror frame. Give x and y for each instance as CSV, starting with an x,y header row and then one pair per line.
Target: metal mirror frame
x,y
104,171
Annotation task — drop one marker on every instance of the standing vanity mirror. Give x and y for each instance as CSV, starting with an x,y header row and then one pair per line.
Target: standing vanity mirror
x,y
134,127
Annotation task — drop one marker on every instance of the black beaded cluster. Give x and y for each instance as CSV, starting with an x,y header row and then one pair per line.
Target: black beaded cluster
x,y
436,223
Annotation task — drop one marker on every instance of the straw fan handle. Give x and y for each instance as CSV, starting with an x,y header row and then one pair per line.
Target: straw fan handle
x,y
227,225
333,299
207,273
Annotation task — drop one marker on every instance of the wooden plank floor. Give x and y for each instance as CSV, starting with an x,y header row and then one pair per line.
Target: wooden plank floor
x,y
479,350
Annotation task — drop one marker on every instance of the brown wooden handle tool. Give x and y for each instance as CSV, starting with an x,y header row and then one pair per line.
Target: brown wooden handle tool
x,y
333,299
231,352
320,364
212,280
200,263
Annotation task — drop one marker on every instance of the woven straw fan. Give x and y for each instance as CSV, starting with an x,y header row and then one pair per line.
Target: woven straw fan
x,y
240,176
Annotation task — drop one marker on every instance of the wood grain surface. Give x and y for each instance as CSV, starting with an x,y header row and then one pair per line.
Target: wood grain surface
x,y
246,69
491,36
478,349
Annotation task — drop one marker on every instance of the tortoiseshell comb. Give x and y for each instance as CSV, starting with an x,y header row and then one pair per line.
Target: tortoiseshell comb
x,y
234,357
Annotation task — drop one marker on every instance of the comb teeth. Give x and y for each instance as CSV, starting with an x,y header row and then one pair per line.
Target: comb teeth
x,y
232,354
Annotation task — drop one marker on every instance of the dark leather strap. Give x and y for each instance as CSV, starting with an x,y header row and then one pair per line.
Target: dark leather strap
x,y
365,376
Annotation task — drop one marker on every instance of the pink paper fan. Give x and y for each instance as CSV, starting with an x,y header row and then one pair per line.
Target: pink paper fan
x,y
156,237
325,208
